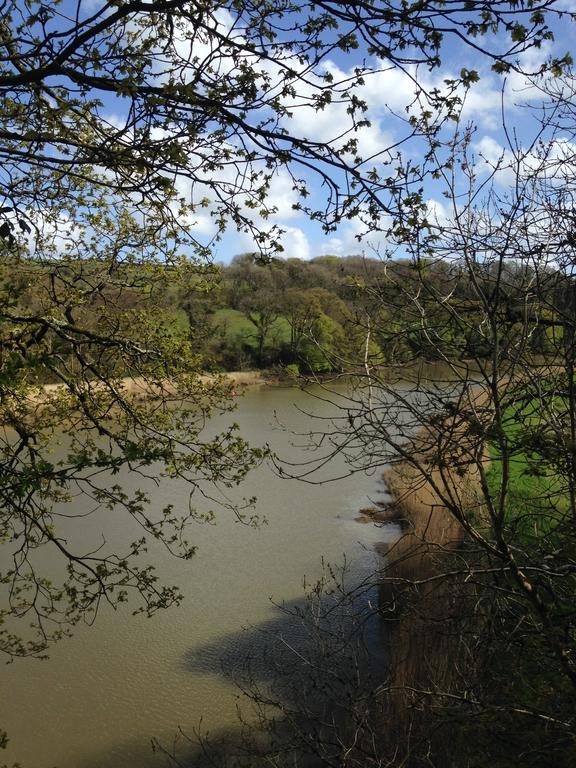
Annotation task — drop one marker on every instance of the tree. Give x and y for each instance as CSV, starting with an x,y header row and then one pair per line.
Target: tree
x,y
300,310
202,96
252,288
91,364
310,346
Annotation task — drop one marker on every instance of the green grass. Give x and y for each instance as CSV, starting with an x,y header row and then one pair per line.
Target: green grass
x,y
537,498
176,320
233,321
523,667
236,325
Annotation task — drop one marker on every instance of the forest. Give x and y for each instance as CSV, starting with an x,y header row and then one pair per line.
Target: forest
x,y
336,314
289,317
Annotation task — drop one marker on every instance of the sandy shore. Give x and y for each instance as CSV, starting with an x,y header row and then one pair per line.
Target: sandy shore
x,y
140,386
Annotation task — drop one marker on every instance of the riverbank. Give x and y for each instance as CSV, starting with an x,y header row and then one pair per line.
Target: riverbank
x,y
429,490
238,379
142,387
423,596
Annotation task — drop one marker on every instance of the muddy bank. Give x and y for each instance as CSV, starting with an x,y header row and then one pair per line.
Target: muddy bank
x,y
139,384
237,379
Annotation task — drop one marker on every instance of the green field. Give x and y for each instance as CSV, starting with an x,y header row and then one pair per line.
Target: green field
x,y
537,495
234,324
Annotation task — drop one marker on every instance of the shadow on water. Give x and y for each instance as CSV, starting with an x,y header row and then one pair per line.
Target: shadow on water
x,y
303,676
306,679
326,681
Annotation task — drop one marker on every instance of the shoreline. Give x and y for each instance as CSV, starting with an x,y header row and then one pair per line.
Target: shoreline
x,y
417,501
421,595
138,385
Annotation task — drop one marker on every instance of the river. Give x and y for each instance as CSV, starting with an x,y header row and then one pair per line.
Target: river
x,y
107,691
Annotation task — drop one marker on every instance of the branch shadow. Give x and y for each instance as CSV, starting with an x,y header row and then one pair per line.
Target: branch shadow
x,y
296,669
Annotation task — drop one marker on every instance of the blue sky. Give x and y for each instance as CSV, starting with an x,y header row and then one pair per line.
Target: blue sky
x,y
388,92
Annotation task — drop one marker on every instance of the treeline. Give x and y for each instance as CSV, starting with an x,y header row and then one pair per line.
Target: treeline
x,y
308,316
319,316
334,313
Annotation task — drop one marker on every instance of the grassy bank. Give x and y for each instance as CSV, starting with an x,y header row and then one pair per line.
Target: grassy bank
x,y
422,594
530,700
477,675
537,498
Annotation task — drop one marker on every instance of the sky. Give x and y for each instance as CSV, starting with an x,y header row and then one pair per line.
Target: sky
x,y
388,93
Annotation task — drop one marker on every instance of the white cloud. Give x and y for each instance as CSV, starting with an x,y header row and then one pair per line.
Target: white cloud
x,y
391,95
527,89
54,233
496,160
282,196
482,104
554,160
388,91
202,224
333,124
490,150
352,239
438,212
389,88
293,240
295,244
191,43
278,204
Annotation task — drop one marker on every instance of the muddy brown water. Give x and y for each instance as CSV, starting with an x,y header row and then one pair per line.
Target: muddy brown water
x,y
105,693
